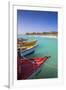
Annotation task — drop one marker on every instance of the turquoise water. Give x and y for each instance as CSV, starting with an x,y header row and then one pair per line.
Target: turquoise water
x,y
46,47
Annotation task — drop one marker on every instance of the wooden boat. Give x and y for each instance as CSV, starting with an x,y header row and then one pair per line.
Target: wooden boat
x,y
27,68
31,43
26,51
21,39
25,47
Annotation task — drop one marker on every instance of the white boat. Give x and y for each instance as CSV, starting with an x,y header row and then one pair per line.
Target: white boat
x,y
28,51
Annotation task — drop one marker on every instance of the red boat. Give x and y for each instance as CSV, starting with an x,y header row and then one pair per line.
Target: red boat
x,y
27,68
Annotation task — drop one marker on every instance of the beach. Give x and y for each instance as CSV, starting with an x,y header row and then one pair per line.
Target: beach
x,y
47,36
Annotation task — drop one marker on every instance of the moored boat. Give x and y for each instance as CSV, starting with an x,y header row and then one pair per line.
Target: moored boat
x,y
26,51
26,43
27,68
21,39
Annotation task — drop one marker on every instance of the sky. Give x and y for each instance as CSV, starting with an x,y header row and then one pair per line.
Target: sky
x,y
36,21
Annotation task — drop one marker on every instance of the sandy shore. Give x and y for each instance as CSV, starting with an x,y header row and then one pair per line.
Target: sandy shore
x,y
50,36
43,36
47,36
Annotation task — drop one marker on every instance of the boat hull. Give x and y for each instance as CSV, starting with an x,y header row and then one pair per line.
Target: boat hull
x,y
27,68
25,44
28,51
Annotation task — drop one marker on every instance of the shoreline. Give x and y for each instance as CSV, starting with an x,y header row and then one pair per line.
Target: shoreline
x,y
48,36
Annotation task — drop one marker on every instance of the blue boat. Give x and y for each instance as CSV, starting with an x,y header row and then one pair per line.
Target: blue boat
x,y
27,51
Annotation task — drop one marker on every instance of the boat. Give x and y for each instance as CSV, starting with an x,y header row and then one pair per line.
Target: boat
x,y
27,68
21,39
26,51
26,43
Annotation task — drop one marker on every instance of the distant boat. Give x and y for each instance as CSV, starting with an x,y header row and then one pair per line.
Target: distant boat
x,y
27,68
26,51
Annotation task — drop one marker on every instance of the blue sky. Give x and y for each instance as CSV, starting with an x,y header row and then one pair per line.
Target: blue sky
x,y
36,21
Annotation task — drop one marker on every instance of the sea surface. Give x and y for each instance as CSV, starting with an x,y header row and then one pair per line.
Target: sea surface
x,y
46,47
